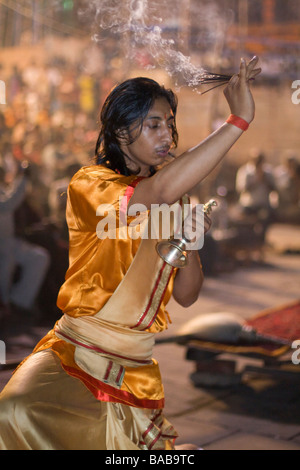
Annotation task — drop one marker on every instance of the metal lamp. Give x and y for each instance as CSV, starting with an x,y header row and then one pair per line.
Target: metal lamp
x,y
173,251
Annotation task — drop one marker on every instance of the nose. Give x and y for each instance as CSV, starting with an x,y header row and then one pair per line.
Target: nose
x,y
166,134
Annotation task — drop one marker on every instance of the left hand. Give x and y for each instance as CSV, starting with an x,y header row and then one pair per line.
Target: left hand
x,y
238,93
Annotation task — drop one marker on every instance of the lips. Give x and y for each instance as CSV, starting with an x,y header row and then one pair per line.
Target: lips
x,y
163,151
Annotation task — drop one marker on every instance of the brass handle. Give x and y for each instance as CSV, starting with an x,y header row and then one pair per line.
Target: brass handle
x,y
172,251
207,208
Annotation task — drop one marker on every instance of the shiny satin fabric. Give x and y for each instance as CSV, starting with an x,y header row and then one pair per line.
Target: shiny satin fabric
x,y
85,293
97,267
43,408
132,348
142,386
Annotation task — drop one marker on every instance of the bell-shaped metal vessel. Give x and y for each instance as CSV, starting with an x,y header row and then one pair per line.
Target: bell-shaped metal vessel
x,y
173,251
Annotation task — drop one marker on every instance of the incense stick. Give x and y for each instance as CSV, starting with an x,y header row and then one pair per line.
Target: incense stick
x,y
211,77
212,88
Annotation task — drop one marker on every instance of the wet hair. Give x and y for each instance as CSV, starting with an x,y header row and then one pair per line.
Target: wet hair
x,y
128,105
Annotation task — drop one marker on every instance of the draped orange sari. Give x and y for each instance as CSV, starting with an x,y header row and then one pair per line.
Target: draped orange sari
x,y
113,301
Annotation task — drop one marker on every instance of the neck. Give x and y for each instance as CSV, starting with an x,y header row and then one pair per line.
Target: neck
x,y
144,170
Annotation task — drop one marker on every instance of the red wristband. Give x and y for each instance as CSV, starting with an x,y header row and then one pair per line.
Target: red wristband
x,y
238,122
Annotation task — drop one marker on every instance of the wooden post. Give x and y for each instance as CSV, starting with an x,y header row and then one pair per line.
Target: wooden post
x,y
268,11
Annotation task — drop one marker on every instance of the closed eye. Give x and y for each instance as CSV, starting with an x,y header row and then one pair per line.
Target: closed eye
x,y
153,126
155,123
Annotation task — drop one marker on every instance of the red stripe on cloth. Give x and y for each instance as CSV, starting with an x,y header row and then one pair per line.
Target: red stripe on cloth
x,y
162,296
95,348
104,392
128,195
157,416
119,374
135,182
155,439
151,299
151,426
110,364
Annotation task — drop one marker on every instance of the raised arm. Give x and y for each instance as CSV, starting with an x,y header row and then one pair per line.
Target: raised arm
x,y
174,180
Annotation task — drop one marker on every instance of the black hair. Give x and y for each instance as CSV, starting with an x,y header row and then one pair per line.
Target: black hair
x,y
128,104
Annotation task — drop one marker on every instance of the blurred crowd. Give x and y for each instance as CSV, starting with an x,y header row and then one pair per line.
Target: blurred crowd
x,y
251,199
50,121
48,131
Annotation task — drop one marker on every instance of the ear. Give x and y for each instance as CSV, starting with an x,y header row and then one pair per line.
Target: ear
x,y
123,140
123,137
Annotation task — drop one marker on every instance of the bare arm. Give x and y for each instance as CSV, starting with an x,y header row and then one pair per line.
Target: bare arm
x,y
176,179
188,281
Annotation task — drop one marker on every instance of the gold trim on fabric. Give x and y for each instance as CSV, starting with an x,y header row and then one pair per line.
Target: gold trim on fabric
x,y
99,367
144,323
115,375
135,291
151,436
158,432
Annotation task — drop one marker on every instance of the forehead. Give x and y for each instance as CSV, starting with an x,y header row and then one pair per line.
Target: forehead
x,y
161,107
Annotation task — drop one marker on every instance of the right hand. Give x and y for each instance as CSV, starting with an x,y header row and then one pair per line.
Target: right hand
x,y
195,226
238,93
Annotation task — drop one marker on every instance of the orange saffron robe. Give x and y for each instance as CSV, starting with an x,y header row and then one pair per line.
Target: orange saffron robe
x,y
96,268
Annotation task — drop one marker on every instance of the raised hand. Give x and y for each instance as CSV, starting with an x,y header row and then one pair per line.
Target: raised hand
x,y
238,93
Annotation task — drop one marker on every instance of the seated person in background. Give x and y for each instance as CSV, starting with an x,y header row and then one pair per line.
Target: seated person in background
x,y
254,184
32,260
287,178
